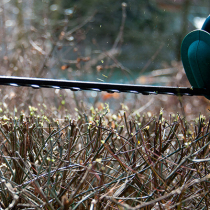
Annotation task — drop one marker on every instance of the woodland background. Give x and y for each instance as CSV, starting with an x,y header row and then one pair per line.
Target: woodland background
x,y
105,41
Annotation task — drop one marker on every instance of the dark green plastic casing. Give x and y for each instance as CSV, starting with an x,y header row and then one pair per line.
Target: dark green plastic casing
x,y
195,53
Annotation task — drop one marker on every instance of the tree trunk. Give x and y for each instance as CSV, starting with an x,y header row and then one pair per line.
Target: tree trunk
x,y
184,27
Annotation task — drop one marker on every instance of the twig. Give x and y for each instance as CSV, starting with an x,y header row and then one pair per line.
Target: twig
x,y
120,35
151,59
141,109
174,192
13,194
80,25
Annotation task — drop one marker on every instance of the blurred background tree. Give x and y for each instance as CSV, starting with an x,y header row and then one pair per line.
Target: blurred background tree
x,y
69,39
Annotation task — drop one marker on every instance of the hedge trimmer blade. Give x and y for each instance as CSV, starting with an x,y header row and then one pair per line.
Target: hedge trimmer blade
x,y
97,86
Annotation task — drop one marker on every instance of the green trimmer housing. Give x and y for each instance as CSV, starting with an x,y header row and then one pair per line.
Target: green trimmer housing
x,y
195,53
